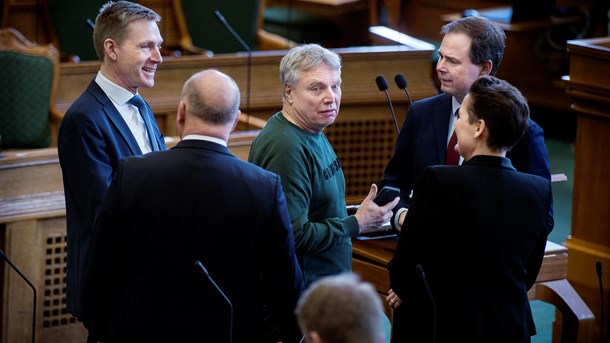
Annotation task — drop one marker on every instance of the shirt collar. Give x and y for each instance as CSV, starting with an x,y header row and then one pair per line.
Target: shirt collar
x,y
205,138
115,92
455,104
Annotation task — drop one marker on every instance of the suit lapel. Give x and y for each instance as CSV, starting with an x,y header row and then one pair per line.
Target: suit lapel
x,y
115,117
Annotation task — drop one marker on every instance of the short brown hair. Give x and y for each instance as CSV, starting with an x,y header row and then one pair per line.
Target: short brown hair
x,y
112,21
488,39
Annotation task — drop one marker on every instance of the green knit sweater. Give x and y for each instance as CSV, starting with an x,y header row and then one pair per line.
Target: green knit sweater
x,y
314,185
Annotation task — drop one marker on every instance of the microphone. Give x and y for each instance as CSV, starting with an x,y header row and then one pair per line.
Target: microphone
x,y
401,82
382,84
224,23
205,273
4,257
422,276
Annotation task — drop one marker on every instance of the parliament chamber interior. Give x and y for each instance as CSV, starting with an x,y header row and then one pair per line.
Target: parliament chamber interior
x,y
560,61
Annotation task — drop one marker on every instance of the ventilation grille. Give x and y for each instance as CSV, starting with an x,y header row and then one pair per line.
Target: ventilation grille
x,y
54,303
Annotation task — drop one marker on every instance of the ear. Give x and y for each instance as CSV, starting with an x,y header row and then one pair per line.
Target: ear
x,y
486,68
480,128
110,48
314,337
180,118
288,93
236,120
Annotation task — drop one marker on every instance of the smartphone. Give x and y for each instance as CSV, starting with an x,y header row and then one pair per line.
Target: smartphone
x,y
386,195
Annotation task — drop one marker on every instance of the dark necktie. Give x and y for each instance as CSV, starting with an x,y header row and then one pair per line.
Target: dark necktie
x,y
138,102
452,157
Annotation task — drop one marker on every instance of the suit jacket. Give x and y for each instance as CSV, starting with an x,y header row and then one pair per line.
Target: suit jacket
x,y
478,231
422,142
93,138
164,211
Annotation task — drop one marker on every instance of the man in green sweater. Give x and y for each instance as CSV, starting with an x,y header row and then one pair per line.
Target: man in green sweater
x,y
292,145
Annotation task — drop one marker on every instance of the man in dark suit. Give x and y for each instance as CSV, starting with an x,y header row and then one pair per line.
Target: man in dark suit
x,y
471,47
195,202
102,126
478,232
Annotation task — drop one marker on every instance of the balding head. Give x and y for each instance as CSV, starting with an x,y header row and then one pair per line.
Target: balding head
x,y
212,97
209,105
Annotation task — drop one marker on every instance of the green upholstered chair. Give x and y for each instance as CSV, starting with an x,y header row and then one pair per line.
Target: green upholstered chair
x,y
301,27
28,84
66,24
199,28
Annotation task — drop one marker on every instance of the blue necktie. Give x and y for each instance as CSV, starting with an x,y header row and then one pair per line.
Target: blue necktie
x,y
138,102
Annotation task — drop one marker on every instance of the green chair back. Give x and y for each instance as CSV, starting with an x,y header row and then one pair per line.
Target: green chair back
x,y
206,30
301,27
26,86
67,22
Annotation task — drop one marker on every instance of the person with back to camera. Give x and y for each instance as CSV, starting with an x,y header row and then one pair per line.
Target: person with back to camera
x,y
475,234
341,309
104,125
195,202
471,47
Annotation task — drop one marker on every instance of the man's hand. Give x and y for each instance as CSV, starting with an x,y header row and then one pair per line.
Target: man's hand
x,y
393,299
371,216
401,219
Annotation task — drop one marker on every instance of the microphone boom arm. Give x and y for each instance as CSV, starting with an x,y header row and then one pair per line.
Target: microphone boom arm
x,y
4,257
205,274
225,23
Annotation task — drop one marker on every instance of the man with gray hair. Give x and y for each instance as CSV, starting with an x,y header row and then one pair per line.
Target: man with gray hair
x,y
293,145
167,212
341,309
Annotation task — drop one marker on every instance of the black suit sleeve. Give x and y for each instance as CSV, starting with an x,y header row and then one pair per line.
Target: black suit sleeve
x,y
282,274
107,264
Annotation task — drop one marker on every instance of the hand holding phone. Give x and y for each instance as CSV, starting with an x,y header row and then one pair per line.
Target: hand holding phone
x,y
386,195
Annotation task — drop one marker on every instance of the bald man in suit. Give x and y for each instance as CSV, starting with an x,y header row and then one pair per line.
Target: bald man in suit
x,y
194,202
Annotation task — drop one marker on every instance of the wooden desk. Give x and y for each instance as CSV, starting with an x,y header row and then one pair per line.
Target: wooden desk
x,y
576,324
589,243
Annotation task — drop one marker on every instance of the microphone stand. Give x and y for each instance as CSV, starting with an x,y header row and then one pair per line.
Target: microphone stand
x,y
382,84
4,257
90,24
205,273
422,275
224,23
